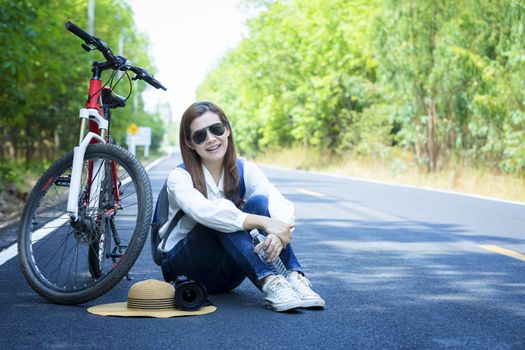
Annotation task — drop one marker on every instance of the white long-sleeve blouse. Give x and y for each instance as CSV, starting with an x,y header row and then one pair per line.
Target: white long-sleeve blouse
x,y
217,212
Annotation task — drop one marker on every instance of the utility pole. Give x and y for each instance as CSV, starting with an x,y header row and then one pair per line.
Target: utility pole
x,y
91,17
120,51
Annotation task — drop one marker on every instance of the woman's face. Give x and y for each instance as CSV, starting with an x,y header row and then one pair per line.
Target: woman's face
x,y
214,147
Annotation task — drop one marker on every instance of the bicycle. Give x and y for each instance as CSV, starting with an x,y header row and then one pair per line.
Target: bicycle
x,y
88,216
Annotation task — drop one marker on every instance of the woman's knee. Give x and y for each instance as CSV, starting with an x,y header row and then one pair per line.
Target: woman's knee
x,y
257,205
240,240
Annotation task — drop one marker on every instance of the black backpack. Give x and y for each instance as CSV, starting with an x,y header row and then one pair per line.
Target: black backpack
x,y
160,216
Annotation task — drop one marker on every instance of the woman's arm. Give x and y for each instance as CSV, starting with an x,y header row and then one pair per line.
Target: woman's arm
x,y
220,214
258,184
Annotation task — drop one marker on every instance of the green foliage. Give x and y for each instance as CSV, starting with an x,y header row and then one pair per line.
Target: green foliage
x,y
456,71
9,173
15,176
303,75
442,78
45,75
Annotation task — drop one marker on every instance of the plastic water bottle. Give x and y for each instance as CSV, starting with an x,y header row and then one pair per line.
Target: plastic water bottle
x,y
277,265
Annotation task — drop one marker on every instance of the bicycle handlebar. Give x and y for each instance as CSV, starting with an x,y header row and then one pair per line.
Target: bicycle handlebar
x,y
147,77
78,32
117,62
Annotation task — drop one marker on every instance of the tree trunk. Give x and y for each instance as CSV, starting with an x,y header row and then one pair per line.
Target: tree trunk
x,y
16,143
56,144
3,143
433,143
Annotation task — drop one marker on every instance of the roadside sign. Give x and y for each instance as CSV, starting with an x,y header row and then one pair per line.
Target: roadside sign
x,y
138,136
133,129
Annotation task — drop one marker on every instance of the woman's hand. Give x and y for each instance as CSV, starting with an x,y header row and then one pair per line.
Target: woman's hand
x,y
272,246
280,229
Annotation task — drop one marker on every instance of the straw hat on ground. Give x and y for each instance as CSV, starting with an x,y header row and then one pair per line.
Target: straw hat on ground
x,y
150,298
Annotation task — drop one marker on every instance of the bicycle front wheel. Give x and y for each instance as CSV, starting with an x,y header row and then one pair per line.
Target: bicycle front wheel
x,y
72,263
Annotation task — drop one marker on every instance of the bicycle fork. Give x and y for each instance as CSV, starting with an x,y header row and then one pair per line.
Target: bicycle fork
x,y
95,179
94,182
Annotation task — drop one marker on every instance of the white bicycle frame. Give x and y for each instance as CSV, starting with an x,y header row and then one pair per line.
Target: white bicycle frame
x,y
86,114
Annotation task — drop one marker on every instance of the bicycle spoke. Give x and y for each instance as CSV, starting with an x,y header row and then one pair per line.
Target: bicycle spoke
x,y
51,257
129,205
49,207
62,259
70,265
59,196
76,268
124,189
47,239
126,196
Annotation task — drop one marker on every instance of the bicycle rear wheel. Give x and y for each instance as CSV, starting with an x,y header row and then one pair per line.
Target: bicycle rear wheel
x,y
69,264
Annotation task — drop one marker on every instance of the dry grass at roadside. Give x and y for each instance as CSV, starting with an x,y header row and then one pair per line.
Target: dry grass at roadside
x,y
400,169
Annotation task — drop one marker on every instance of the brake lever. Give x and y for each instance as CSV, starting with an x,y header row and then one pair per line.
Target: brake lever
x,y
86,47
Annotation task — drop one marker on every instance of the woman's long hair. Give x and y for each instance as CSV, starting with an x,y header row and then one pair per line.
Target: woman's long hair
x,y
193,161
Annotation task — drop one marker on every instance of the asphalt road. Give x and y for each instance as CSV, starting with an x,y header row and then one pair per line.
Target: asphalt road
x,y
399,268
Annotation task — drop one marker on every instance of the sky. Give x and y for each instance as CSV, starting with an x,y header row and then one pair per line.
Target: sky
x,y
187,39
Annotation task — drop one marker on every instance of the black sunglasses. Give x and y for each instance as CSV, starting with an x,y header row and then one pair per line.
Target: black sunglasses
x,y
201,135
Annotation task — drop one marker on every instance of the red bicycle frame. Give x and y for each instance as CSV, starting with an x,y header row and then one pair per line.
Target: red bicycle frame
x,y
95,88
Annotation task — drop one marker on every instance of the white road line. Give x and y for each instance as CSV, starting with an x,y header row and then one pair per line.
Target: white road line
x,y
503,251
308,192
51,226
8,254
155,163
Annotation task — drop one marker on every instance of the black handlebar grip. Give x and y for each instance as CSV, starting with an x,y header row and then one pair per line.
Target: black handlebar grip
x,y
147,77
78,32
158,85
154,82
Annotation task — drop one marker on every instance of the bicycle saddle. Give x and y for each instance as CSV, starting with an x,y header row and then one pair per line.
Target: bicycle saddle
x,y
111,99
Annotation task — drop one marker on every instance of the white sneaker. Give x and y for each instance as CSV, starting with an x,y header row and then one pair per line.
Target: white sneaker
x,y
301,286
280,295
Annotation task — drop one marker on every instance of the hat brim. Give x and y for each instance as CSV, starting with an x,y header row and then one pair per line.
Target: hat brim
x,y
122,310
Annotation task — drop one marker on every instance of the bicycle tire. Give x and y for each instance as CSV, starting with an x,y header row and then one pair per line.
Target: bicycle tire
x,y
47,201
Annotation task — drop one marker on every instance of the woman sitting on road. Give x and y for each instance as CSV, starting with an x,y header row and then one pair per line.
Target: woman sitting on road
x,y
211,243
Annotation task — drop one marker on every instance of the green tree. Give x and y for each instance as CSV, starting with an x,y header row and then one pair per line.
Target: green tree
x,y
305,74
441,78
46,74
452,69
